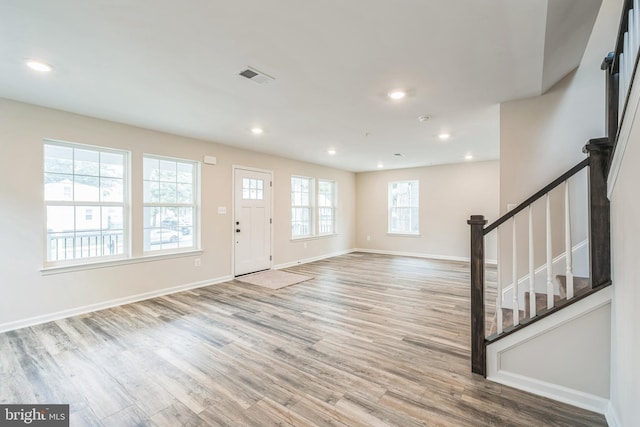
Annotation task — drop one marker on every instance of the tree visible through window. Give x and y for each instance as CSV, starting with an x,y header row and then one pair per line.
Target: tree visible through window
x,y
85,191
403,207
170,203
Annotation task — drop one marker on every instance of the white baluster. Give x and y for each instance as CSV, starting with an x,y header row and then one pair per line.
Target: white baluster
x,y
628,63
499,285
621,85
514,276
636,21
549,256
532,277
567,241
632,42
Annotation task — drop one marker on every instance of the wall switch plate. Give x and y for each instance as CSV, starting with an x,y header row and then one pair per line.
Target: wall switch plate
x,y
222,210
197,262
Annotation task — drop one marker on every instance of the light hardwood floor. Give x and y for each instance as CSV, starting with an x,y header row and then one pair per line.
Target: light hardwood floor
x,y
372,340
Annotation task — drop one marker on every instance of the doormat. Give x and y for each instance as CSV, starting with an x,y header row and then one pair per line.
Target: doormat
x,y
273,279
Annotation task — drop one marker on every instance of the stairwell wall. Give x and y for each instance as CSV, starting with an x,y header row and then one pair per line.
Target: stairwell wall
x,y
542,137
625,331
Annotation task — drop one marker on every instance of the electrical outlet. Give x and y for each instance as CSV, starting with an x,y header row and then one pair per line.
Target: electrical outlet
x,y
305,245
368,237
197,262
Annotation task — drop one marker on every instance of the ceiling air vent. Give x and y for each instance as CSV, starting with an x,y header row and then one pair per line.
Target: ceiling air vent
x,y
256,76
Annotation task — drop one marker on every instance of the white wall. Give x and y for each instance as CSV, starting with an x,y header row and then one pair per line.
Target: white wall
x,y
542,137
26,293
449,195
625,236
547,358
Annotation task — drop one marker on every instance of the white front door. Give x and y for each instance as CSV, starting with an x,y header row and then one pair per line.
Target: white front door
x,y
252,221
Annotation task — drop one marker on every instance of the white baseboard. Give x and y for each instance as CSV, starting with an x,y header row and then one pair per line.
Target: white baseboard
x,y
612,416
24,323
570,396
415,254
376,251
312,259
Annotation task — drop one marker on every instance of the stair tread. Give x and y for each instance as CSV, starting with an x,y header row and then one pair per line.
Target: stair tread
x,y
580,285
541,302
507,319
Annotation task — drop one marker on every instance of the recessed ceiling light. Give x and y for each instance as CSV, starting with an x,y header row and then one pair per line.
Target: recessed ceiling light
x,y
39,66
468,157
257,130
397,94
380,165
444,136
331,152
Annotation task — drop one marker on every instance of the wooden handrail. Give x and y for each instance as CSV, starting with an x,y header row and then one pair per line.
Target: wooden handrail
x,y
513,212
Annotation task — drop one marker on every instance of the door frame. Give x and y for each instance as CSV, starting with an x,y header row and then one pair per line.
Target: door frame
x,y
233,213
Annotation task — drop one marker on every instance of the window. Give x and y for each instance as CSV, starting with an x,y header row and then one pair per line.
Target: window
x,y
326,206
85,194
403,207
252,189
170,203
301,206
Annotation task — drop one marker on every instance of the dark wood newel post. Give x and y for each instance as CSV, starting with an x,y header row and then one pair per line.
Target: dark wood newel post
x,y
599,151
478,349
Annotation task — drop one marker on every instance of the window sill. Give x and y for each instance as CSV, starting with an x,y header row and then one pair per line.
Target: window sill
x,y
314,237
116,262
403,234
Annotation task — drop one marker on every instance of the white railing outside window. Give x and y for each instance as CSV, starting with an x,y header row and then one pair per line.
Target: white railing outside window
x,y
86,201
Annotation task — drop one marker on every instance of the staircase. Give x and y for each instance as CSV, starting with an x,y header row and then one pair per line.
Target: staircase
x,y
549,247
582,287
539,300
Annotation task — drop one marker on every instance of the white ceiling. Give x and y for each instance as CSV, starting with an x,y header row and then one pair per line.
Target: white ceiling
x,y
173,66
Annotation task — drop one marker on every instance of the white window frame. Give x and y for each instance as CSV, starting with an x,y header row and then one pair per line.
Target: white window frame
x,y
413,204
309,207
178,229
80,208
330,206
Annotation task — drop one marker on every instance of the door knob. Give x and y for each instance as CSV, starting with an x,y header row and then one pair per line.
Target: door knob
x,y
237,222
237,230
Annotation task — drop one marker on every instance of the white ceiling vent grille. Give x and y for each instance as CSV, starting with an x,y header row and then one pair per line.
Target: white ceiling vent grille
x,y
256,76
